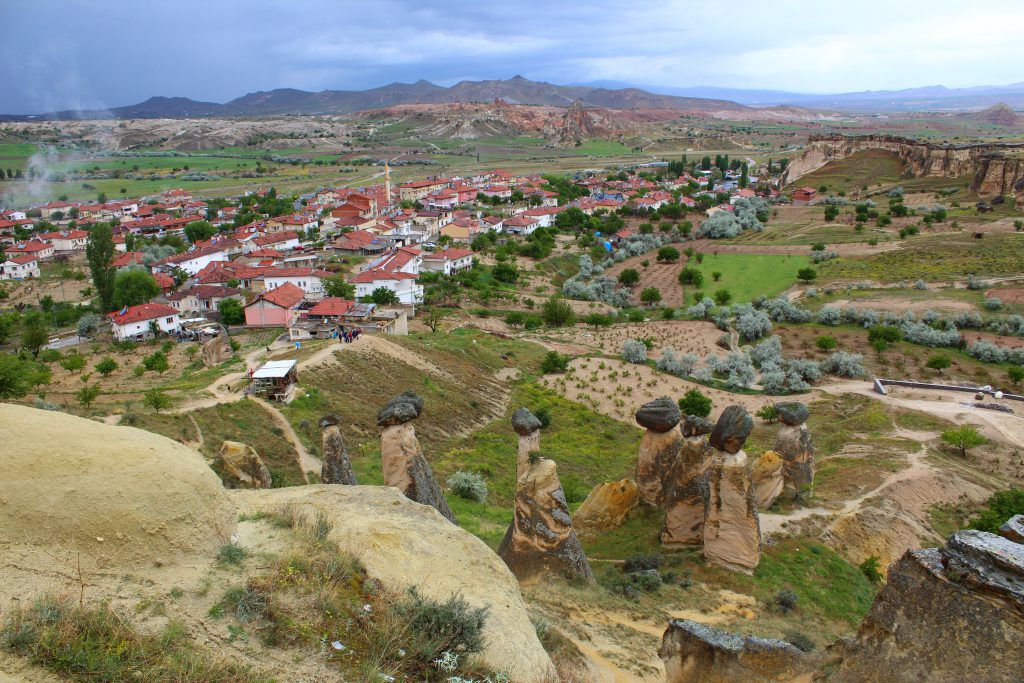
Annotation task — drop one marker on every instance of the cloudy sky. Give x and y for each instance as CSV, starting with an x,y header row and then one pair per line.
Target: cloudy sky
x,y
60,54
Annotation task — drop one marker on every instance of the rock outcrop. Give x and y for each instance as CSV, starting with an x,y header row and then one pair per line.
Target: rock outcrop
x,y
767,475
659,448
793,444
401,455
997,169
241,467
732,531
694,653
337,467
1013,529
74,487
607,506
687,492
217,350
946,614
541,538
527,426
402,544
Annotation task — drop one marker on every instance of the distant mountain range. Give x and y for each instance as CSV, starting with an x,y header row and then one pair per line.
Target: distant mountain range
x,y
285,101
927,98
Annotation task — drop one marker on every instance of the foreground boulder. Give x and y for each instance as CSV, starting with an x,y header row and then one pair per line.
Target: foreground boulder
x,y
946,614
541,538
402,458
768,479
74,487
337,467
732,530
687,492
793,444
404,544
694,653
527,426
659,448
607,506
1013,529
241,467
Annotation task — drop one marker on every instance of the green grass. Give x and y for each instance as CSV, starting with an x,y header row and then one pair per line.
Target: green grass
x,y
97,644
748,276
602,148
870,167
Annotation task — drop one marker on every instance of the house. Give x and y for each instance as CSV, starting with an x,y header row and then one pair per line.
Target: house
x,y
67,241
34,247
462,230
278,307
418,189
545,215
308,279
275,379
128,258
192,261
805,195
398,271
203,298
20,267
521,225
280,241
137,322
361,242
330,308
448,261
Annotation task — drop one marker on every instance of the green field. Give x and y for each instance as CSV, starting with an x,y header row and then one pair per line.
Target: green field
x,y
748,276
871,168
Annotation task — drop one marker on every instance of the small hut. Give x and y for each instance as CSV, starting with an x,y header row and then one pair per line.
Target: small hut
x,y
275,379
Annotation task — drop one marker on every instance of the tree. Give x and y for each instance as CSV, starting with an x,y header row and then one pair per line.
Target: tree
x,y
716,276
557,312
938,362
696,403
73,362
768,413
87,394
432,318
87,324
337,287
723,297
19,375
831,213
1016,374
629,277
806,274
883,336
99,252
963,438
650,296
1000,506
106,366
156,399
596,320
198,231
554,362
133,287
668,255
231,311
382,296
156,361
505,272
34,333
826,343
744,176
691,276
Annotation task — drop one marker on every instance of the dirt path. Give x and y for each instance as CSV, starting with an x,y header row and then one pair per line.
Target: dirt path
x,y
200,440
307,462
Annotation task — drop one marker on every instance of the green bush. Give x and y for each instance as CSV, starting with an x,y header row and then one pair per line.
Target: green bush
x,y
786,600
1000,506
694,402
439,627
871,567
468,485
554,362
800,641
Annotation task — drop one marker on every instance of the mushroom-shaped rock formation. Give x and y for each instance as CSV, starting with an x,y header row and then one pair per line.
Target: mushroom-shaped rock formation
x,y
767,477
241,467
607,506
793,444
659,448
687,492
527,426
402,458
541,538
337,467
732,530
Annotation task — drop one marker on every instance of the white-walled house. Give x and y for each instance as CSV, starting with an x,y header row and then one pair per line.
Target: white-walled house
x,y
309,280
404,285
20,267
192,261
133,322
448,261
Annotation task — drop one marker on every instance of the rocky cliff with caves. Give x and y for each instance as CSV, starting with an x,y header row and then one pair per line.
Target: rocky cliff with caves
x,y
997,169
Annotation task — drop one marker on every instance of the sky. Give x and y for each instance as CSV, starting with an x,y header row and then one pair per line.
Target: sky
x,y
85,54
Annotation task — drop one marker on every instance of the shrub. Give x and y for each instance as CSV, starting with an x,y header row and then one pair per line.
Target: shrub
x,y
668,255
515,319
768,352
554,362
156,399
806,274
963,438
468,485
800,641
767,413
736,369
675,364
826,343
938,362
694,402
106,366
871,568
723,297
993,304
231,554
440,627
557,312
639,563
598,320
753,325
691,276
629,277
87,324
73,362
634,351
987,352
786,600
650,296
1015,374
543,416
635,316
845,364
999,507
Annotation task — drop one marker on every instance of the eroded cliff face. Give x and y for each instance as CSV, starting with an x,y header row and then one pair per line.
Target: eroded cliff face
x,y
995,171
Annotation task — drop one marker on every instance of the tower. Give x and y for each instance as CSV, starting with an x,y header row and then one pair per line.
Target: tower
x,y
387,185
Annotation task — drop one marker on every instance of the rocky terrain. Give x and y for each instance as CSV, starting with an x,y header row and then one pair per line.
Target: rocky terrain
x,y
997,169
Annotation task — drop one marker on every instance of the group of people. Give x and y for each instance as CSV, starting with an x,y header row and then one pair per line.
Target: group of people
x,y
348,335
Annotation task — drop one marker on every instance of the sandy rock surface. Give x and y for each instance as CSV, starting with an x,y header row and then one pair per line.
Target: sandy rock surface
x,y
606,506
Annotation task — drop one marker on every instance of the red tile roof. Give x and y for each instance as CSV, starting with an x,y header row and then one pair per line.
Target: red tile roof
x,y
331,306
450,254
136,314
285,296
